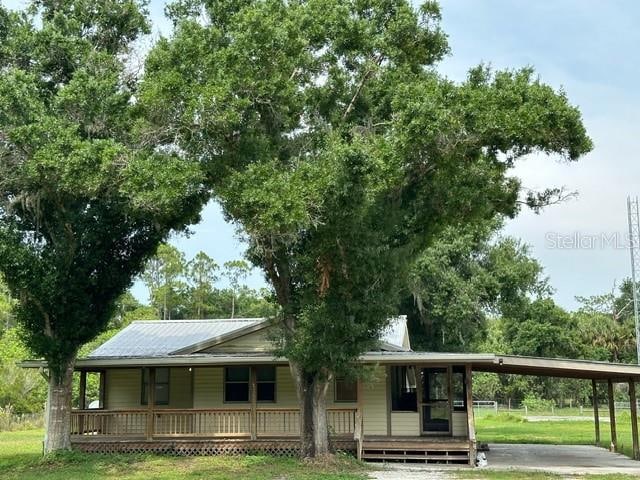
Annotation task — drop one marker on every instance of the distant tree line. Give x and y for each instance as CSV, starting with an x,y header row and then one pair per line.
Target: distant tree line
x,y
177,288
476,291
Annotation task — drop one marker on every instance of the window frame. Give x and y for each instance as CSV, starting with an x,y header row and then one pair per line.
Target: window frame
x,y
459,369
224,385
335,390
254,372
391,387
144,395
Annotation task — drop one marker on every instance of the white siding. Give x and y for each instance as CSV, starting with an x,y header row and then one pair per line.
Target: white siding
x,y
405,423
123,387
459,424
286,396
374,410
180,388
252,342
207,387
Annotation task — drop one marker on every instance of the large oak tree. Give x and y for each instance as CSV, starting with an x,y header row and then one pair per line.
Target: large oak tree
x,y
85,198
331,140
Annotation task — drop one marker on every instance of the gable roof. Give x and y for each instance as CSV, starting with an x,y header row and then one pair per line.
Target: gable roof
x,y
163,338
160,338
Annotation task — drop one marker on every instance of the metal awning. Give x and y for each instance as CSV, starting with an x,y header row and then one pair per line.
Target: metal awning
x,y
480,362
560,367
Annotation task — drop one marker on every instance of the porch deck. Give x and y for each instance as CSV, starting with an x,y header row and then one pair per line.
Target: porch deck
x,y
244,430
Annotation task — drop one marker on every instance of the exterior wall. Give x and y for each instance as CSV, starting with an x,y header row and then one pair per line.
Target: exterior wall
x,y
405,423
124,385
374,403
252,342
207,387
459,424
203,388
122,388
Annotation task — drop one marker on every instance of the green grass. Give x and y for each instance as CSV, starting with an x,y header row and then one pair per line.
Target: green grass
x,y
20,458
512,428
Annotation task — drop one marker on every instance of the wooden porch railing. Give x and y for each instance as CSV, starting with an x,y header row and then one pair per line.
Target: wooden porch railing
x,y
214,422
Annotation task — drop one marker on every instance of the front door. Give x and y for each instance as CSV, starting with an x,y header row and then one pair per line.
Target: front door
x,y
435,401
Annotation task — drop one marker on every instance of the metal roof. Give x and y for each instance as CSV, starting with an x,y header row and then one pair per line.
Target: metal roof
x,y
162,338
159,338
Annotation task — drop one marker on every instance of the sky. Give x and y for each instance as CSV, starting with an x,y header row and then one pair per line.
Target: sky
x,y
589,48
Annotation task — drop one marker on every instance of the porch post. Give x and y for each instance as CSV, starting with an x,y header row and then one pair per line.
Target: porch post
x,y
358,431
254,401
151,400
596,414
612,417
634,419
82,403
471,426
388,392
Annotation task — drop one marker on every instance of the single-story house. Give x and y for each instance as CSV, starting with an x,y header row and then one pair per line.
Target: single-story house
x,y
212,386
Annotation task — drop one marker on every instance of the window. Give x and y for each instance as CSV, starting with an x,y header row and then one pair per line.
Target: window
x,y
266,384
403,389
236,384
162,386
346,390
459,389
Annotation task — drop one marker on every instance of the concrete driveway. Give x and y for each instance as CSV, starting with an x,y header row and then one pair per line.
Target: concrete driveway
x,y
561,459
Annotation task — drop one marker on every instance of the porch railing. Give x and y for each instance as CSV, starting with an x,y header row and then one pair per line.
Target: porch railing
x,y
214,422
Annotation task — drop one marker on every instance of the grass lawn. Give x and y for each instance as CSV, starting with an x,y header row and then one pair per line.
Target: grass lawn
x,y
20,458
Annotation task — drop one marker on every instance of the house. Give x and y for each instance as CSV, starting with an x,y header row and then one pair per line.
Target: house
x,y
212,386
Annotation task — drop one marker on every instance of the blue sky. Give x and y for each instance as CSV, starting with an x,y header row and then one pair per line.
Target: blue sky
x,y
589,48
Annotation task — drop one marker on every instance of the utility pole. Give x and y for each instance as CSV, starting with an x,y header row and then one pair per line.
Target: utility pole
x,y
633,212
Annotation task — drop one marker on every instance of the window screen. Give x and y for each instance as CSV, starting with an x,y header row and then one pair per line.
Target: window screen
x,y
403,389
266,384
236,384
346,390
162,386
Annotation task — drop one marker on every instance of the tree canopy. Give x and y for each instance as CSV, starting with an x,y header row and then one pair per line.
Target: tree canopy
x,y
466,276
330,139
85,198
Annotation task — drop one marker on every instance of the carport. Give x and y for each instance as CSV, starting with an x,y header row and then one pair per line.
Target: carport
x,y
611,373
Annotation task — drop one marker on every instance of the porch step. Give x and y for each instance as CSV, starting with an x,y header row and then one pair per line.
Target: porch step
x,y
416,452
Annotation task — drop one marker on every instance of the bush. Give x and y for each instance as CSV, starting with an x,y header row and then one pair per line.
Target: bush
x,y
535,403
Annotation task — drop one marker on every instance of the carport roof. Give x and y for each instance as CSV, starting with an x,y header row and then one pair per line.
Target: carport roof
x,y
560,367
480,362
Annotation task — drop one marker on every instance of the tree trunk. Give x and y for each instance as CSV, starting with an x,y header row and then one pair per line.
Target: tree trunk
x,y
58,411
312,396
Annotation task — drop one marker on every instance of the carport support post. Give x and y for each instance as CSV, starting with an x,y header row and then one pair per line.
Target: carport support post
x,y
612,416
634,419
471,427
596,415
